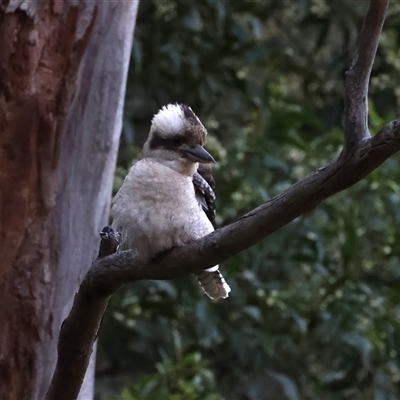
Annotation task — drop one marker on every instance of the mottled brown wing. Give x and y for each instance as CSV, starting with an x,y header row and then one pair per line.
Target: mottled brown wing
x,y
205,195
206,172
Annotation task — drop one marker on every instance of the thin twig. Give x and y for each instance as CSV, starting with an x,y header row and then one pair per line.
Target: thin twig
x,y
357,80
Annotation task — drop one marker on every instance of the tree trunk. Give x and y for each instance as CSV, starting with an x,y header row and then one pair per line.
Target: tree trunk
x,y
62,81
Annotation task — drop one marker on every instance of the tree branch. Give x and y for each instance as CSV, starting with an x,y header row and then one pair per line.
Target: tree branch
x,y
79,330
108,274
75,345
358,76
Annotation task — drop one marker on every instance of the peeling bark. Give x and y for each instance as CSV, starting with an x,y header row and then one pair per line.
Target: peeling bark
x,y
63,68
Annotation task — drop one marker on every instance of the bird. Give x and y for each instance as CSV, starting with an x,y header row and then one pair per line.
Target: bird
x,y
167,198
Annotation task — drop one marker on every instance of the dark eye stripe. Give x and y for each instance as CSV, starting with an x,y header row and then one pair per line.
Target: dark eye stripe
x,y
157,142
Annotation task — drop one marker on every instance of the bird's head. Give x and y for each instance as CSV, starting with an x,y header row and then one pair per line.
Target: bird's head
x,y
176,138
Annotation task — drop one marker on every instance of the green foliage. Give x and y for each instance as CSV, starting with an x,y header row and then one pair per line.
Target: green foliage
x,y
314,310
186,378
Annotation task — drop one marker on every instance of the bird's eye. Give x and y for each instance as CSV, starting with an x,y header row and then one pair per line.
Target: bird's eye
x,y
176,142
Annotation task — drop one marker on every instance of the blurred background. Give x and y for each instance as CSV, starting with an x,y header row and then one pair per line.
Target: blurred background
x,y
314,310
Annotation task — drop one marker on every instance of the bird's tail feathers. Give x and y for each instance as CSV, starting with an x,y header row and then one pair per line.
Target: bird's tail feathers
x,y
213,284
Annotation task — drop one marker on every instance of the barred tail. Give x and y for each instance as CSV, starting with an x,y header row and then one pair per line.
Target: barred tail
x,y
213,284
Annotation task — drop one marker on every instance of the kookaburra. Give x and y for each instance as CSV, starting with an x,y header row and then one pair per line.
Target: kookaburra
x,y
166,199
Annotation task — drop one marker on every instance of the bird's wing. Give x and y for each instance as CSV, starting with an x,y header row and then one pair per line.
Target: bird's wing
x,y
205,194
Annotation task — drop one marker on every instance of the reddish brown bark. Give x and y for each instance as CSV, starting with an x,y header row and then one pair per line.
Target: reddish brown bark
x,y
60,105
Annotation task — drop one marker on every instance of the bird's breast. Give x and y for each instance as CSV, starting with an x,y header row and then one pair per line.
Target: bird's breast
x,y
156,209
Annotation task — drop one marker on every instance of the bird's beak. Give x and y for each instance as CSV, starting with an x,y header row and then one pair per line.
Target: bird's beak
x,y
197,154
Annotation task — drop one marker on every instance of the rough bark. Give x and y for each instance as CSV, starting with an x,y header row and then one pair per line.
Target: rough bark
x,y
357,80
63,69
360,156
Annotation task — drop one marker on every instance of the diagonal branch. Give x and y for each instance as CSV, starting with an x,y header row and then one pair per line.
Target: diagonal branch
x,y
79,330
362,155
358,76
108,274
74,341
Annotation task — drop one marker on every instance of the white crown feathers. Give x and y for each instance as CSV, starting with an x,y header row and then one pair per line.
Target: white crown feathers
x,y
171,120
